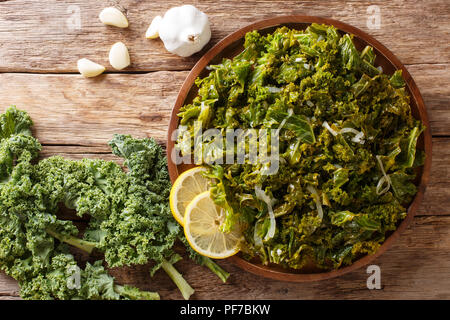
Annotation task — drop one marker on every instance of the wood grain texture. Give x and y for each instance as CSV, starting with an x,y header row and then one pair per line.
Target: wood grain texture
x,y
434,85
437,195
435,202
72,110
45,38
416,267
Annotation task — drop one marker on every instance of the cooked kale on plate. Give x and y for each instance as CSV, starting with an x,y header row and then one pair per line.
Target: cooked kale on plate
x,y
347,146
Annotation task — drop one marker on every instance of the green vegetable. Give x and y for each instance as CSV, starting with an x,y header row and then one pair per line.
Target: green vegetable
x,y
347,146
130,220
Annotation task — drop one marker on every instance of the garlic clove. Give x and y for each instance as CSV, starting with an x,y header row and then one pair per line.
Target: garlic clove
x,y
113,17
153,29
89,69
119,58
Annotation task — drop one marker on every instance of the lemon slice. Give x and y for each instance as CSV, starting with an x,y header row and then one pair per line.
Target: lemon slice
x,y
202,222
187,186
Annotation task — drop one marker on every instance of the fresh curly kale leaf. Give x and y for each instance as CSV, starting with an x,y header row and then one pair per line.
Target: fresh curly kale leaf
x,y
16,141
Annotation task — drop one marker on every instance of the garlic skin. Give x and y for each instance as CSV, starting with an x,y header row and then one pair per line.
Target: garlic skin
x,y
89,69
119,58
153,29
184,30
113,17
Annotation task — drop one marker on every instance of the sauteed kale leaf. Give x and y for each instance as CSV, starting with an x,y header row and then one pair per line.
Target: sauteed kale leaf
x,y
347,146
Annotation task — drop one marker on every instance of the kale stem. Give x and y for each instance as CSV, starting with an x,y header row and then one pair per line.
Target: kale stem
x,y
74,241
135,293
214,267
177,278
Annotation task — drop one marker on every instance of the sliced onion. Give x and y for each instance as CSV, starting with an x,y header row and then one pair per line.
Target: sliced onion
x,y
380,183
316,198
327,126
358,138
261,195
383,180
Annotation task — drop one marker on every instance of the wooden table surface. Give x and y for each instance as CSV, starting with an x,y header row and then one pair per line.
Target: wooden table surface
x,y
40,42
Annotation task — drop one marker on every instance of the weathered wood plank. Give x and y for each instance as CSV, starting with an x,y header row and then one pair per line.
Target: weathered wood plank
x,y
416,267
52,37
9,297
8,286
437,196
435,202
67,109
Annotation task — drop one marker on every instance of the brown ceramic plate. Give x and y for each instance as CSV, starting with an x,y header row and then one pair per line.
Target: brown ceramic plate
x,y
230,47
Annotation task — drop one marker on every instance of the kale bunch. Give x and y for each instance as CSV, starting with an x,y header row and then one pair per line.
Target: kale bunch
x,y
347,146
130,220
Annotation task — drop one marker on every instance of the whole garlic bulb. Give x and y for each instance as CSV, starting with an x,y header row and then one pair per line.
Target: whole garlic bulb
x,y
184,30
